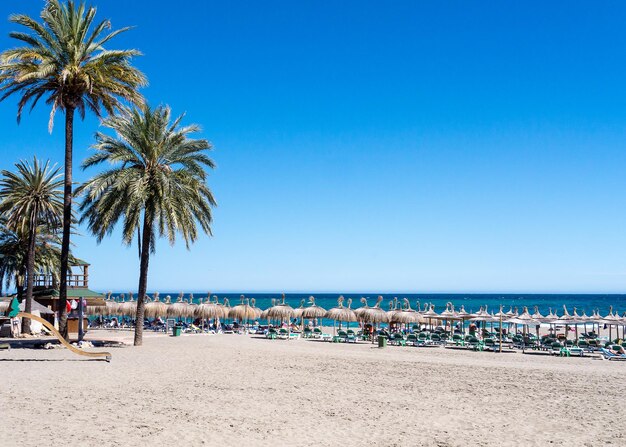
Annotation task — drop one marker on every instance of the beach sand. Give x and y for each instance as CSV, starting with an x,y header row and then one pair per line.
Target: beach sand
x,y
234,389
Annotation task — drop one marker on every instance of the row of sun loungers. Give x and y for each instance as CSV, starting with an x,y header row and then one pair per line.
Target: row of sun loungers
x,y
425,339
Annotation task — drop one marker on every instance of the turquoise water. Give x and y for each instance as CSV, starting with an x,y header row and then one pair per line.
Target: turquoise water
x,y
472,302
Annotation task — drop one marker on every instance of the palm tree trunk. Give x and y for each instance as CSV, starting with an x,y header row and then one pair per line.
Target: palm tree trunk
x,y
30,280
67,220
143,278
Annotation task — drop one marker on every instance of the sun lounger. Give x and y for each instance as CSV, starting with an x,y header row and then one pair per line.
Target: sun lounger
x,y
490,344
283,334
271,334
398,339
412,339
474,343
317,333
457,340
607,354
435,339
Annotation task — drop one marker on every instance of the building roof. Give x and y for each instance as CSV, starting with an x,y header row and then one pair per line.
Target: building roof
x,y
78,292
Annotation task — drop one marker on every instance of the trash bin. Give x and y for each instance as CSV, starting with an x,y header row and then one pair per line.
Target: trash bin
x,y
177,330
382,341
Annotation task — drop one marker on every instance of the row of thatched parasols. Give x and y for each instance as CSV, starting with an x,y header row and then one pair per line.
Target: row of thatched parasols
x,y
399,312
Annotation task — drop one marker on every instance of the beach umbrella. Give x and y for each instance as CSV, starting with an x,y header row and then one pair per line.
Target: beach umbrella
x,y
610,320
502,316
448,315
224,308
463,315
233,312
257,310
361,310
566,319
430,314
538,318
578,320
341,313
406,315
177,309
209,310
297,312
128,308
113,306
313,311
525,319
156,308
584,318
243,312
264,315
483,316
393,311
281,311
375,314
191,308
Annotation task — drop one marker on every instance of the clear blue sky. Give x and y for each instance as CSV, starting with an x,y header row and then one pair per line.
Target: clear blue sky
x,y
380,146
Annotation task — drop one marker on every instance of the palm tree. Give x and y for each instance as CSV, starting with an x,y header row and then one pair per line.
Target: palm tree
x,y
31,197
63,59
14,251
156,185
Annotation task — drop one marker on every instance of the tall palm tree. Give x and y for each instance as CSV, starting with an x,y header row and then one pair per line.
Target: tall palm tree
x,y
31,197
63,59
156,185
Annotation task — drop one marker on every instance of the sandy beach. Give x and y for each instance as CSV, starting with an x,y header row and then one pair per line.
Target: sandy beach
x,y
232,389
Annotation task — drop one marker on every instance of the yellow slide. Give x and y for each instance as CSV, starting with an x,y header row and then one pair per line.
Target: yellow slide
x,y
74,349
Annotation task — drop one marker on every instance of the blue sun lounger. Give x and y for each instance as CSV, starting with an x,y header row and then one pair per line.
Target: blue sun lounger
x,y
612,356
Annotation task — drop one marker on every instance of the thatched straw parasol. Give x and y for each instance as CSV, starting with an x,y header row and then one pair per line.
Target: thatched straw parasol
x,y
406,315
113,306
264,315
361,311
449,315
257,310
463,316
567,319
242,311
208,310
281,311
525,319
313,311
375,314
430,315
128,308
225,307
156,308
341,313
177,309
610,320
191,307
393,310
297,312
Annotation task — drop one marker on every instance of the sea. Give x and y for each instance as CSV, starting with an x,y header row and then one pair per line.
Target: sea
x,y
471,302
